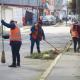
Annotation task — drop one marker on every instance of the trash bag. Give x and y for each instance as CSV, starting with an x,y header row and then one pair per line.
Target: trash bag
x,y
5,35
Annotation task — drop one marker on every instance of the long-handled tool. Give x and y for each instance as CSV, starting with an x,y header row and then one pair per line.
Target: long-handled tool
x,y
3,53
56,50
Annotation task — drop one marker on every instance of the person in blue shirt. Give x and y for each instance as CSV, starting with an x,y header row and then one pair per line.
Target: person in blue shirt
x,y
11,25
37,34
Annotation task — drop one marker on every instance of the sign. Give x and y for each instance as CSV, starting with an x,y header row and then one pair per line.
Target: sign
x,y
43,1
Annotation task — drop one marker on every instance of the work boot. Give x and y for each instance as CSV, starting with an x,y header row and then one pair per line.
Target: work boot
x,y
12,65
39,51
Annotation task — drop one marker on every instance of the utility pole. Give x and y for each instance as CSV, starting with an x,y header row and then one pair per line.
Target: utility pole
x,y
66,12
3,52
37,10
78,8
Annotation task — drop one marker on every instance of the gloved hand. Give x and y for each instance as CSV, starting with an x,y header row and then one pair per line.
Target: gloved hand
x,y
2,21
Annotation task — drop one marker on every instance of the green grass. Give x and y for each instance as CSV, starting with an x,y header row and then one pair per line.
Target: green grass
x,y
44,55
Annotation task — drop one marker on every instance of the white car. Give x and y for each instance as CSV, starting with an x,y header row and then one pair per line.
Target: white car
x,y
48,20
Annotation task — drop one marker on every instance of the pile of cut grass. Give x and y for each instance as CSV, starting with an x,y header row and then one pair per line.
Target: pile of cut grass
x,y
44,55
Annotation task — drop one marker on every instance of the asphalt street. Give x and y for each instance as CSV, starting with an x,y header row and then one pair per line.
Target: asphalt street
x,y
57,36
31,68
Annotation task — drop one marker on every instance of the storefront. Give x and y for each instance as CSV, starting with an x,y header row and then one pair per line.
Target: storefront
x,y
20,9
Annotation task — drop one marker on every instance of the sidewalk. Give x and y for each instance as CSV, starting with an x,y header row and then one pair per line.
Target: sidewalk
x,y
31,69
67,67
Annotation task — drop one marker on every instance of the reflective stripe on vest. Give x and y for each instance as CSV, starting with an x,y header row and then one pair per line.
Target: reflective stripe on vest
x,y
15,34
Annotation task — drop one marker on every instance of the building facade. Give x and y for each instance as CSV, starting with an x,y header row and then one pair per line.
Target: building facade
x,y
60,8
16,9
51,6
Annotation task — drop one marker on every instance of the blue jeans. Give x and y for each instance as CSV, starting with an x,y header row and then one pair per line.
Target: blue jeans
x,y
75,41
37,45
78,43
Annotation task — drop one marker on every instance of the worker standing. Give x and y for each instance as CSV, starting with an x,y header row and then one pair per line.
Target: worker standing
x,y
75,36
37,34
15,41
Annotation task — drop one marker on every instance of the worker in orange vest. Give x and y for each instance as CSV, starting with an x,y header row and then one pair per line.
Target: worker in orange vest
x,y
36,35
74,34
15,42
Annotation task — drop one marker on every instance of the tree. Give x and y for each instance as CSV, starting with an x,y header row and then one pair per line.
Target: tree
x,y
73,6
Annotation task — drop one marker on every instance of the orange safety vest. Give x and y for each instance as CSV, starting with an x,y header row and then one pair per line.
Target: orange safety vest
x,y
74,33
15,34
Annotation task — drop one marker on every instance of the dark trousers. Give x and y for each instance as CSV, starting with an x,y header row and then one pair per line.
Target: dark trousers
x,y
78,43
15,47
75,41
37,45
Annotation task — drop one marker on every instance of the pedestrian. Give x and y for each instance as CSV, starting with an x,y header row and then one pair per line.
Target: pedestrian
x,y
74,34
78,29
37,34
40,20
15,41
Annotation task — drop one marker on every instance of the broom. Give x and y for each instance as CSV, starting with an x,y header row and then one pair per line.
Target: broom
x,y
55,49
3,52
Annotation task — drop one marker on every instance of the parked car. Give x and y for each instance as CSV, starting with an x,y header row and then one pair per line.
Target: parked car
x,y
49,20
57,19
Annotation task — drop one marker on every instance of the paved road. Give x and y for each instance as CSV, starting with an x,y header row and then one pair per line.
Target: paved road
x,y
57,36
32,69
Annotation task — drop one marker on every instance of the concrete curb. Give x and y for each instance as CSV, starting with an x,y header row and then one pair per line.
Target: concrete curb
x,y
48,70
67,47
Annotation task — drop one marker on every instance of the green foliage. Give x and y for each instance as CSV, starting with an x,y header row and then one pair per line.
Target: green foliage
x,y
72,6
44,55
36,55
